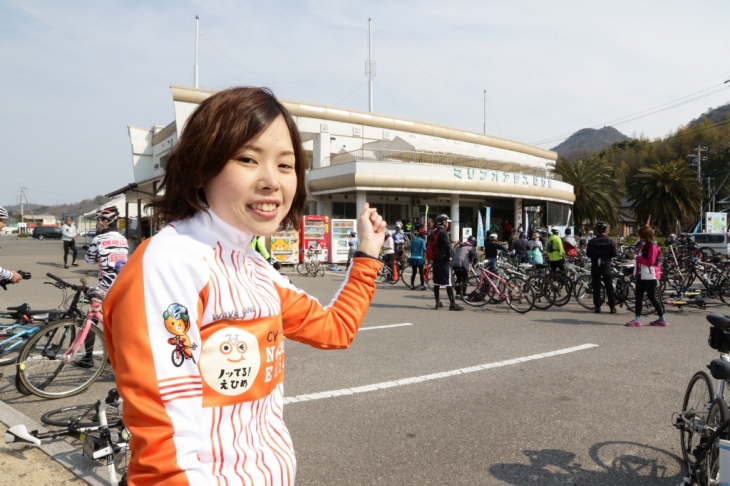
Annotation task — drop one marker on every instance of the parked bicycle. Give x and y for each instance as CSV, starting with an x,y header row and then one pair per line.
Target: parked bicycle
x,y
98,426
311,264
68,355
492,287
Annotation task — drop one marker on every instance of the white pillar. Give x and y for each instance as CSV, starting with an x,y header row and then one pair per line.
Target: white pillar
x,y
320,150
455,225
360,200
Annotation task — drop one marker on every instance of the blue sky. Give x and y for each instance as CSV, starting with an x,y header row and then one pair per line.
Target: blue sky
x,y
75,74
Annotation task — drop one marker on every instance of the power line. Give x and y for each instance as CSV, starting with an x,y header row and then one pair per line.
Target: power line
x,y
234,62
393,100
352,93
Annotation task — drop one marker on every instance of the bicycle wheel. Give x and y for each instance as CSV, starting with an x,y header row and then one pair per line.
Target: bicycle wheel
x,y
520,295
81,416
695,408
481,293
583,292
321,270
177,357
710,467
543,298
44,370
302,268
405,276
562,288
11,342
723,290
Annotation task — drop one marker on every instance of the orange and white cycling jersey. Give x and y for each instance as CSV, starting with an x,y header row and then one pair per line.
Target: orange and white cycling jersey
x,y
195,329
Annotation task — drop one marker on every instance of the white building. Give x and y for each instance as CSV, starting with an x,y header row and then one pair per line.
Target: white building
x,y
399,166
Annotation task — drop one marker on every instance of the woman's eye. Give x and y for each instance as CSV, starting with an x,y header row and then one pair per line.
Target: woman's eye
x,y
246,160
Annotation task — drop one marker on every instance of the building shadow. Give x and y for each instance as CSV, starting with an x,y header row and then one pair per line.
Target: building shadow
x,y
615,463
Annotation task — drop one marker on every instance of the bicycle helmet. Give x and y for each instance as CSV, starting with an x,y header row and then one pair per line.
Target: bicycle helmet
x,y
493,236
111,214
555,230
471,240
422,230
601,227
176,311
3,214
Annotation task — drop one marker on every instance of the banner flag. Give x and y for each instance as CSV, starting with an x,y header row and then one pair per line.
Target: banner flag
x,y
480,230
488,220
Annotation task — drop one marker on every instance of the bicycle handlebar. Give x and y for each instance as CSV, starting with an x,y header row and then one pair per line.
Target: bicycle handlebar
x,y
63,284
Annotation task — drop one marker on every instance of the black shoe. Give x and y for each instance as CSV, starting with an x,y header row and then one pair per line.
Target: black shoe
x,y
597,310
613,310
422,287
84,362
439,305
74,264
65,266
455,307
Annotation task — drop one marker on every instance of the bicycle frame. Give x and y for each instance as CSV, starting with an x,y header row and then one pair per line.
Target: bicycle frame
x,y
94,313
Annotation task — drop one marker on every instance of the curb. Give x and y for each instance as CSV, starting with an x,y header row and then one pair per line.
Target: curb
x,y
68,456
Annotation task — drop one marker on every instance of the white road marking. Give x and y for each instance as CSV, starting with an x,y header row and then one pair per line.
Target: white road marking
x,y
434,376
385,327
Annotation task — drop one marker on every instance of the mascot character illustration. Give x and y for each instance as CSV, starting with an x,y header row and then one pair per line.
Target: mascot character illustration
x,y
177,322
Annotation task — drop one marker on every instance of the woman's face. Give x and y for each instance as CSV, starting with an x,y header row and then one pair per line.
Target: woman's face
x,y
255,189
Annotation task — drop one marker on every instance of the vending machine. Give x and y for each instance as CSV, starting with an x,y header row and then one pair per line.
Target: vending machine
x,y
285,247
315,235
341,229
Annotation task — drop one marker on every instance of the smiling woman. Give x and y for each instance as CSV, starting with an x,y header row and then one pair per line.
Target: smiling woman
x,y
195,324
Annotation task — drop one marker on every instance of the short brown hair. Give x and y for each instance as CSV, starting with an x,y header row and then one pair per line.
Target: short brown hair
x,y
213,134
646,233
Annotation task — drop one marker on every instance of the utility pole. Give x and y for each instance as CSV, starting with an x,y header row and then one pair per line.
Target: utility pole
x,y
195,75
485,112
370,66
697,159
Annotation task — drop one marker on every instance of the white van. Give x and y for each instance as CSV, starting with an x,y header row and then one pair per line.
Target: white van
x,y
717,241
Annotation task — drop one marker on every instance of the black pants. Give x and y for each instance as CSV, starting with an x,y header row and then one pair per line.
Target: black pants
x,y
461,276
69,245
417,269
557,266
389,259
648,286
600,274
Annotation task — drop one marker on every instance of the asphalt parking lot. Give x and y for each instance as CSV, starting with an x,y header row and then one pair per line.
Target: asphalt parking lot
x,y
481,397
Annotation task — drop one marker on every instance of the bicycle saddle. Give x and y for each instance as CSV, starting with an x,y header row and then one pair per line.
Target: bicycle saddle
x,y
718,320
21,309
719,369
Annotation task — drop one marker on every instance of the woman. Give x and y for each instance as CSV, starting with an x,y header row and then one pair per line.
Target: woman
x,y
195,327
534,255
418,252
389,253
647,272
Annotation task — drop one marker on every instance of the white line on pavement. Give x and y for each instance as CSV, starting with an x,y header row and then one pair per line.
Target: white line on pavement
x,y
434,376
385,327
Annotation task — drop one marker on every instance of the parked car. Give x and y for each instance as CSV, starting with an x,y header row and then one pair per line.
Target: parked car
x,y
718,242
47,232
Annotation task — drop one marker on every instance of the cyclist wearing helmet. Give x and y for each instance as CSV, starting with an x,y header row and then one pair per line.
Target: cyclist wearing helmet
x,y
352,243
491,251
600,250
7,275
108,248
442,262
464,256
555,251
418,253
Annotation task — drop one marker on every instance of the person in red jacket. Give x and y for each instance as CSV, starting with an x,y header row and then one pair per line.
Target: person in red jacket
x,y
195,324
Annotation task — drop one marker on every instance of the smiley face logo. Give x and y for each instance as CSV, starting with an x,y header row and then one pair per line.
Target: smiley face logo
x,y
230,361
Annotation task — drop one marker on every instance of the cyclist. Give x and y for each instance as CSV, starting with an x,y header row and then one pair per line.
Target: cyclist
x,y
555,251
519,248
600,250
352,243
399,239
389,253
7,275
442,262
108,249
409,226
491,252
259,245
569,244
647,273
464,256
418,252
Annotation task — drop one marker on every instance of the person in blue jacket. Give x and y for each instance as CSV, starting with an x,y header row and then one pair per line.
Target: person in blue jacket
x,y
418,253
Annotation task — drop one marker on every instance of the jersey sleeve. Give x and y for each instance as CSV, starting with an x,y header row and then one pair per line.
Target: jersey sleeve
x,y
5,274
92,254
162,399
332,326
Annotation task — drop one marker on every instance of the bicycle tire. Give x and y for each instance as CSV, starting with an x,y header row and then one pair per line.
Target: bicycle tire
x,y
428,276
479,297
81,416
697,400
10,356
710,468
405,276
563,288
302,268
45,375
520,295
583,292
723,290
543,299
321,270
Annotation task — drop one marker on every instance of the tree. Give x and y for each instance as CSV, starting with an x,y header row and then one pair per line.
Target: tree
x,y
597,193
665,191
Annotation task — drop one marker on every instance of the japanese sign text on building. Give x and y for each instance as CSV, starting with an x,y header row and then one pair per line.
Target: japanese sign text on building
x,y
500,176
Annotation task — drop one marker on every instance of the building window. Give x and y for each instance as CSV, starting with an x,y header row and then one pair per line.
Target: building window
x,y
344,210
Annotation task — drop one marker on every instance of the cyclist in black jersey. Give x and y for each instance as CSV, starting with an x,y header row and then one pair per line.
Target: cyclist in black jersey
x,y
8,276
